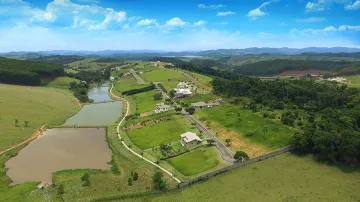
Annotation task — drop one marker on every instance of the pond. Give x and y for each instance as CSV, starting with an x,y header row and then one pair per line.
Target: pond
x,y
60,149
99,94
97,114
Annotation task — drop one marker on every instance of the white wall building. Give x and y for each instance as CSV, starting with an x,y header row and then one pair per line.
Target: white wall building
x,y
161,108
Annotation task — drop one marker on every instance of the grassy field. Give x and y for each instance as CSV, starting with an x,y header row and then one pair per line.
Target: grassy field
x,y
197,161
71,71
198,98
62,82
151,117
128,83
237,124
169,78
161,133
355,81
90,64
282,178
203,81
37,105
145,101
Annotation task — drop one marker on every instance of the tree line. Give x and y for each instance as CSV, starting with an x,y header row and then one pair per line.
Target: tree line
x,y
57,59
139,90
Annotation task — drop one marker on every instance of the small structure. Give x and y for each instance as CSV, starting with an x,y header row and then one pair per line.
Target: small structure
x,y
211,103
337,79
317,75
83,82
161,108
112,78
182,90
170,64
190,140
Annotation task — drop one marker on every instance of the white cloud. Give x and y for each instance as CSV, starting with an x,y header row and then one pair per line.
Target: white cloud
x,y
328,29
89,1
134,18
354,6
311,19
200,23
257,12
222,23
175,22
225,13
146,22
211,6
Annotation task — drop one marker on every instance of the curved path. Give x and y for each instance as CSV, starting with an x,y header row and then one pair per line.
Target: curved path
x,y
132,151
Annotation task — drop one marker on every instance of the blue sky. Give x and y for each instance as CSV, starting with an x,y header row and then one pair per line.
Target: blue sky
x,y
31,25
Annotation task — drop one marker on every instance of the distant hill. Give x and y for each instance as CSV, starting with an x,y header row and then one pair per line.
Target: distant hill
x,y
22,72
57,59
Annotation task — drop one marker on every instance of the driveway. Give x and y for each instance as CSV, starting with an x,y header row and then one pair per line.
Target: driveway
x,y
137,77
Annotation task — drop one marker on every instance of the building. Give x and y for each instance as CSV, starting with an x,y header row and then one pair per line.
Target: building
x,y
211,103
112,78
337,79
161,108
190,140
183,89
316,75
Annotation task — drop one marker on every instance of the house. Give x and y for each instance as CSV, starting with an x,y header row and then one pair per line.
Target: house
x,y
190,140
182,90
161,108
318,75
112,78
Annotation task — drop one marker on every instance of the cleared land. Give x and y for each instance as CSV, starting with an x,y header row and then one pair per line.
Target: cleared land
x,y
203,81
128,83
198,98
197,161
354,81
168,78
248,131
62,82
161,133
282,178
145,101
37,105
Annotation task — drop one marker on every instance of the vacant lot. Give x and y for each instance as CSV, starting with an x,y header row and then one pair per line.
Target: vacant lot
x,y
128,83
161,133
145,101
169,78
282,178
354,81
198,98
62,82
36,105
203,81
197,161
248,131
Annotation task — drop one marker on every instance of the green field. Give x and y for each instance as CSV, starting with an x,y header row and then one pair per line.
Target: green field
x,y
151,117
203,81
37,105
145,101
169,78
128,83
90,64
197,161
232,122
198,98
161,133
282,178
62,82
355,81
71,71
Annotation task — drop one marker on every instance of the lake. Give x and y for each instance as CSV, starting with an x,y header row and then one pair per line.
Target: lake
x,y
99,94
59,149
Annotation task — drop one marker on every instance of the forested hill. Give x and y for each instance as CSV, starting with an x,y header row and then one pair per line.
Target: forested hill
x,y
57,59
27,73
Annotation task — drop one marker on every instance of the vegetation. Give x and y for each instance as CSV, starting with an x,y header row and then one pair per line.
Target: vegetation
x,y
63,82
198,98
197,161
145,101
128,83
57,59
168,78
158,181
241,156
80,91
139,90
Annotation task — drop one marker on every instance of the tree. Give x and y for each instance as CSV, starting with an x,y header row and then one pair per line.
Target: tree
x,y
158,181
26,123
228,142
16,122
61,190
210,142
86,179
190,110
172,93
135,176
130,181
157,96
178,109
241,156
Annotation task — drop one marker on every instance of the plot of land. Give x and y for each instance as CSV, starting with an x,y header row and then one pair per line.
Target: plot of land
x,y
248,131
354,81
62,82
161,133
128,83
197,161
145,101
37,105
203,81
169,78
198,98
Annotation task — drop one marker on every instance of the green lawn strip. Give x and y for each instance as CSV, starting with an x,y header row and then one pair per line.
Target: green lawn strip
x,y
145,101
62,82
276,136
151,117
198,98
128,83
283,178
161,133
38,105
197,161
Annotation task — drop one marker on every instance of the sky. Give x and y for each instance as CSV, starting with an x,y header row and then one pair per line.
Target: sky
x,y
171,25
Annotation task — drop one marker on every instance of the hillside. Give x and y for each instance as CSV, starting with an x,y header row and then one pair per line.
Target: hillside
x,y
57,59
27,73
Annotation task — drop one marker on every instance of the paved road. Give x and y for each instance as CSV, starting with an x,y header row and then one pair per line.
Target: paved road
x,y
137,77
226,154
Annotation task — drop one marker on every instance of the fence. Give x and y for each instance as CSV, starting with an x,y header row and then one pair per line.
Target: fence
x,y
235,165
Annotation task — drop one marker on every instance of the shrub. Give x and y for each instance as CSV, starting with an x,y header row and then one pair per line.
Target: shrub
x,y
130,182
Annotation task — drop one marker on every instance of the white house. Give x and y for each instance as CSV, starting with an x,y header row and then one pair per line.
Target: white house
x,y
183,89
161,108
190,140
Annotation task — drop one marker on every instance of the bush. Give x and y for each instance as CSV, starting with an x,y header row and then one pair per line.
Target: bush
x,y
250,134
158,181
135,176
130,182
241,156
86,179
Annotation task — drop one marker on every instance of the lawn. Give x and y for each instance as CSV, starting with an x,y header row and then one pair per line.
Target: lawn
x,y
282,178
62,82
197,161
355,81
145,101
248,131
198,98
169,78
151,117
38,105
161,133
128,83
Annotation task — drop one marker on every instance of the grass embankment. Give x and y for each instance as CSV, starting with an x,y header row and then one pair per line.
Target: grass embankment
x,y
168,78
128,83
161,133
37,105
197,161
248,131
282,178
145,101
62,82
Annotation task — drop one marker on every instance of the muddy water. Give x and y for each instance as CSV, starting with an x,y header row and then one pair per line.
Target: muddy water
x,y
59,149
96,114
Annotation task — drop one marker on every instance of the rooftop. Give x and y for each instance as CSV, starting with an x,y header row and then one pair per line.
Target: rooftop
x,y
189,137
